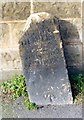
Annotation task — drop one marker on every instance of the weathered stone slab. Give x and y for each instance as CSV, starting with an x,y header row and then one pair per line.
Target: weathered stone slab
x,y
73,55
71,33
43,62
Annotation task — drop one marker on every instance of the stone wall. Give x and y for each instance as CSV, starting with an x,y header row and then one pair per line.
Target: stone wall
x,y
13,16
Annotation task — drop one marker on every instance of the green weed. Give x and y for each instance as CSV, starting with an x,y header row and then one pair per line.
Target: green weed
x,y
15,88
77,83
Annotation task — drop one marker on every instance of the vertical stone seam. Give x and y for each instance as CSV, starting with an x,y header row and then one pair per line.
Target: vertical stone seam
x,y
10,34
32,7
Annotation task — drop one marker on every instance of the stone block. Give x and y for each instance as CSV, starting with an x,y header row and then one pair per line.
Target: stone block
x,y
75,70
83,31
71,29
83,9
10,34
59,9
0,35
83,59
10,59
71,35
0,11
73,54
15,10
16,32
43,63
83,23
9,74
5,36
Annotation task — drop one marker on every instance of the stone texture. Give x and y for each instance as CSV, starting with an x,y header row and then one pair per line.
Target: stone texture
x,y
71,33
10,59
83,33
16,32
0,11
20,10
9,73
5,41
83,29
60,9
83,9
75,69
83,59
15,10
71,29
43,62
0,35
73,54
10,34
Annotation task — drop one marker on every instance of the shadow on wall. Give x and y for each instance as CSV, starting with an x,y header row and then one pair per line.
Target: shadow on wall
x,y
72,47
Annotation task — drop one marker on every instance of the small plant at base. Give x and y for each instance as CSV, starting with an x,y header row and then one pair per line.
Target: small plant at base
x,y
15,88
77,83
30,105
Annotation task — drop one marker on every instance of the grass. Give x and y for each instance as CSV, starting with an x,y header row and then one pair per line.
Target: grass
x,y
16,87
77,84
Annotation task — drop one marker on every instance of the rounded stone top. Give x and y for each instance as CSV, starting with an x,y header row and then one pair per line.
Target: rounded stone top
x,y
36,18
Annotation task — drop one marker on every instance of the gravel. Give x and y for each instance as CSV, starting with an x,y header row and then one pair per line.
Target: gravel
x,y
16,109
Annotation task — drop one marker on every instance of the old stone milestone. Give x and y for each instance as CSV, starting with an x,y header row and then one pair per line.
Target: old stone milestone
x,y
43,61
